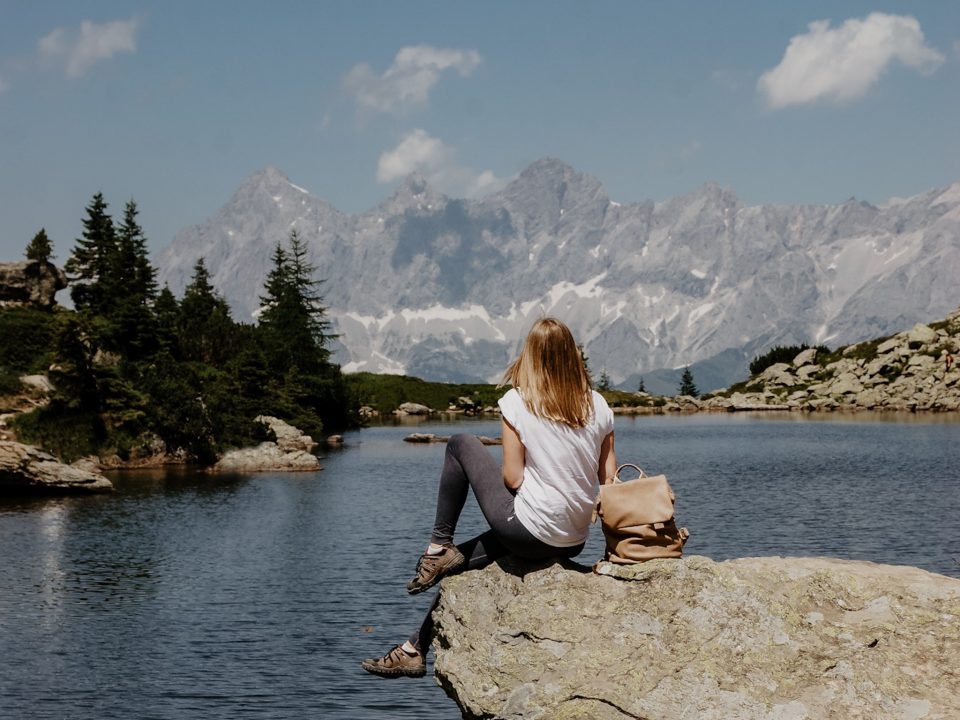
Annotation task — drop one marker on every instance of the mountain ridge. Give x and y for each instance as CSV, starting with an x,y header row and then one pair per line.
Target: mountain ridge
x,y
445,288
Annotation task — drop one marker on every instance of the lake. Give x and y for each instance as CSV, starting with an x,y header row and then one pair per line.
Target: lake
x,y
186,596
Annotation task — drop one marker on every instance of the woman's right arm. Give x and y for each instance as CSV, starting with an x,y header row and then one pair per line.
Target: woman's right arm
x,y
608,460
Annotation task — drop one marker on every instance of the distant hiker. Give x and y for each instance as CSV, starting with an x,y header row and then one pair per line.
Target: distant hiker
x,y
557,450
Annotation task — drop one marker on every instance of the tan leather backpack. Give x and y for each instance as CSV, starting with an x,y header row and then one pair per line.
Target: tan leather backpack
x,y
637,519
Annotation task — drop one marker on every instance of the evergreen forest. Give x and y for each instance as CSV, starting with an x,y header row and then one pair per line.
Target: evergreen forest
x,y
135,367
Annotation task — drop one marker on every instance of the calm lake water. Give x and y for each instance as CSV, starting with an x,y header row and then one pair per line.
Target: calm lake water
x,y
186,596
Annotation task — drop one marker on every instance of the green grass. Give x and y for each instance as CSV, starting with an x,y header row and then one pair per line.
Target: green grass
x,y
620,398
387,392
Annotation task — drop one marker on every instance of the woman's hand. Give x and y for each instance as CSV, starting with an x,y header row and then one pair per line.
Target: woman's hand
x,y
513,456
608,461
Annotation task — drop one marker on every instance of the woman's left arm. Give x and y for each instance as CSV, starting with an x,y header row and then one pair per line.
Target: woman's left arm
x,y
513,456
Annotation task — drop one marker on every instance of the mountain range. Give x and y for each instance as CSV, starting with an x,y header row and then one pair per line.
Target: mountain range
x,y
445,288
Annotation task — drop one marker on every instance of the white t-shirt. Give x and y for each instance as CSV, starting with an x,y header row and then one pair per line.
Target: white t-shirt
x,y
560,468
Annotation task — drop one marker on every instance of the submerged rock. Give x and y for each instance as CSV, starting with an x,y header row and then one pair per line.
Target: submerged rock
x,y
26,469
760,638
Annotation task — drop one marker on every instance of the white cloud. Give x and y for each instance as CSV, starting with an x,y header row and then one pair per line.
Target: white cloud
x,y
79,48
419,152
408,81
841,64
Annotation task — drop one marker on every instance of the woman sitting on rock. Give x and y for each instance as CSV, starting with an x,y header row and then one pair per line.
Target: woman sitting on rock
x,y
557,448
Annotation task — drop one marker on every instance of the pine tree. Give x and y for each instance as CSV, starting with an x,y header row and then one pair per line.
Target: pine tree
x,y
294,332
40,248
292,316
134,288
641,387
278,280
307,291
166,314
604,384
205,323
133,266
90,266
687,386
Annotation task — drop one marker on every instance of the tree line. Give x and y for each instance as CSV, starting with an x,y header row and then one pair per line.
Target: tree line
x,y
132,363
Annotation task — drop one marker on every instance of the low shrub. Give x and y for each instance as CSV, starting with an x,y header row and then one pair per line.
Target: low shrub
x,y
29,339
781,354
9,381
619,398
68,434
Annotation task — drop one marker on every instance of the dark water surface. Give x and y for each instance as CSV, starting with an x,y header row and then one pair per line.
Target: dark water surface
x,y
187,596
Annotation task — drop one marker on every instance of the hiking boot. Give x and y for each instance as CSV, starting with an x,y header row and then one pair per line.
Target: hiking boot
x,y
396,663
431,568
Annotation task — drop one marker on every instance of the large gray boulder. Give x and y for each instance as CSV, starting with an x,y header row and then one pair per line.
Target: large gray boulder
x,y
412,408
290,453
25,469
266,457
755,638
32,283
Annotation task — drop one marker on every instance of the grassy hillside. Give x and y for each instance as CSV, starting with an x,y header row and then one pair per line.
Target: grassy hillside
x,y
387,392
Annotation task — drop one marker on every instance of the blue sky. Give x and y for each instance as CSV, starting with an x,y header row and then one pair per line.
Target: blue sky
x,y
175,103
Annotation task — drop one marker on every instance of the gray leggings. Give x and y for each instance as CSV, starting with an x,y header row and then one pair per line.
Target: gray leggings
x,y
468,464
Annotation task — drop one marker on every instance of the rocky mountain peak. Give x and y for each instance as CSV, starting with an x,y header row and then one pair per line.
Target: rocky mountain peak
x,y
413,193
444,289
551,176
269,177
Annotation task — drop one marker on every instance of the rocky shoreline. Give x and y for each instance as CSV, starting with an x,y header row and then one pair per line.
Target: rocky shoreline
x,y
26,470
910,371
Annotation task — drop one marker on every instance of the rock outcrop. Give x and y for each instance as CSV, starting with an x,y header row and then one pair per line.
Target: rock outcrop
x,y
412,408
912,370
289,438
26,470
290,453
33,283
149,451
755,638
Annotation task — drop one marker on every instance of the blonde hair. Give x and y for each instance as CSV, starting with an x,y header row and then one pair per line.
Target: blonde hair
x,y
551,376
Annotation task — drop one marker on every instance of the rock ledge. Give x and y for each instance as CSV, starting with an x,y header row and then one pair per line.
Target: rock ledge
x,y
754,638
25,469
